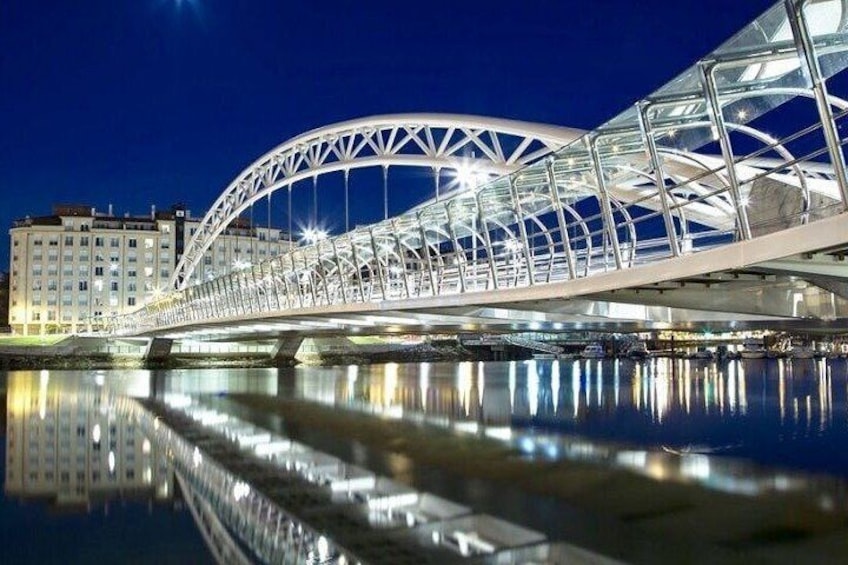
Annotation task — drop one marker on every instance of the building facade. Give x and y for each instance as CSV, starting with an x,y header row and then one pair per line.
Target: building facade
x,y
73,270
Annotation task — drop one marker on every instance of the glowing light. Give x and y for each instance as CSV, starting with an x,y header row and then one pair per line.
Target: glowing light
x,y
741,114
111,461
240,265
95,433
323,548
313,235
468,177
197,457
512,245
240,490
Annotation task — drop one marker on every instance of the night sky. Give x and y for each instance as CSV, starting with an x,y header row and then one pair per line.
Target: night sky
x,y
139,102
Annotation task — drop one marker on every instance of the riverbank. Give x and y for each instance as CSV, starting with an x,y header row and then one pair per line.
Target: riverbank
x,y
98,353
663,521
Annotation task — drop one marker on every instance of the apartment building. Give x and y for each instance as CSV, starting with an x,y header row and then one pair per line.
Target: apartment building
x,y
74,269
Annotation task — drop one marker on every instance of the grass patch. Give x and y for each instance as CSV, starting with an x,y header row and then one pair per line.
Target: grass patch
x,y
31,340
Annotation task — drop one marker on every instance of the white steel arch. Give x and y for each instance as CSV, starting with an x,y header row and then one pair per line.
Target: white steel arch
x,y
436,141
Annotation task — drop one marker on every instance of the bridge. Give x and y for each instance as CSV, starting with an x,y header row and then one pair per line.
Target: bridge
x,y
717,200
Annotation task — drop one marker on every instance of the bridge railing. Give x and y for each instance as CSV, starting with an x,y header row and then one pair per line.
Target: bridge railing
x,y
688,168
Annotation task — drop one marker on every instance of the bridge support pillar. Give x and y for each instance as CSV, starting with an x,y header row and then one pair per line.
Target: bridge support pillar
x,y
158,349
285,349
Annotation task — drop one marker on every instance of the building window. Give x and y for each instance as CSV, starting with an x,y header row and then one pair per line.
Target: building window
x,y
98,271
165,244
114,286
67,286
131,287
36,316
131,272
69,240
51,315
54,242
98,242
84,241
36,241
131,301
83,285
132,242
114,242
164,273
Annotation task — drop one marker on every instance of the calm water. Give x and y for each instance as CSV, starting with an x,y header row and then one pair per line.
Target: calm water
x,y
791,414
82,486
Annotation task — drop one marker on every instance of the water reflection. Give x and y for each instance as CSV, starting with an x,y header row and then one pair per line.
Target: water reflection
x,y
65,441
662,417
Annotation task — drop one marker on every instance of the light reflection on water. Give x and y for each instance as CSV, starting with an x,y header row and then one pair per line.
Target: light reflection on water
x,y
665,418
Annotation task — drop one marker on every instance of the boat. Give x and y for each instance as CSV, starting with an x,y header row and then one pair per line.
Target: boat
x,y
753,348
593,351
638,350
801,352
702,353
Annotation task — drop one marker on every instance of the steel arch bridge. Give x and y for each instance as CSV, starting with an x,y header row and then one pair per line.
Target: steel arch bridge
x,y
700,183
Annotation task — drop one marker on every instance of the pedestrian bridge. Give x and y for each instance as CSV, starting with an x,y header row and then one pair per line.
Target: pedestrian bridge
x,y
717,200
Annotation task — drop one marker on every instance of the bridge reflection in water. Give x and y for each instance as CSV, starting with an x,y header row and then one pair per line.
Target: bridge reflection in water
x,y
668,419
254,495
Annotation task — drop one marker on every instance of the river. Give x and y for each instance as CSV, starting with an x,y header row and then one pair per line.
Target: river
x,y
745,427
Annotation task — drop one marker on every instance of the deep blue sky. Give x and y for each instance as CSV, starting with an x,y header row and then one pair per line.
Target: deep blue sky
x,y
136,102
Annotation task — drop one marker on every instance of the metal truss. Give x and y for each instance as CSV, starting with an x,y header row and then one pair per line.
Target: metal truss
x,y
633,191
488,146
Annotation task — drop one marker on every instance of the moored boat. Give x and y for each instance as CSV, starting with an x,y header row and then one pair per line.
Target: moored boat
x,y
753,348
593,351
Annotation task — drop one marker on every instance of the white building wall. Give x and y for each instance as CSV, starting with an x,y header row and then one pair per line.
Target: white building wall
x,y
72,276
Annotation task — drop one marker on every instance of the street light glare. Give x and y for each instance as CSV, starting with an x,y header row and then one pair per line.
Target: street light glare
x,y
313,235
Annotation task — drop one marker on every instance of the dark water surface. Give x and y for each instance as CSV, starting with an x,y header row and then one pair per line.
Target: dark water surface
x,y
780,413
83,486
